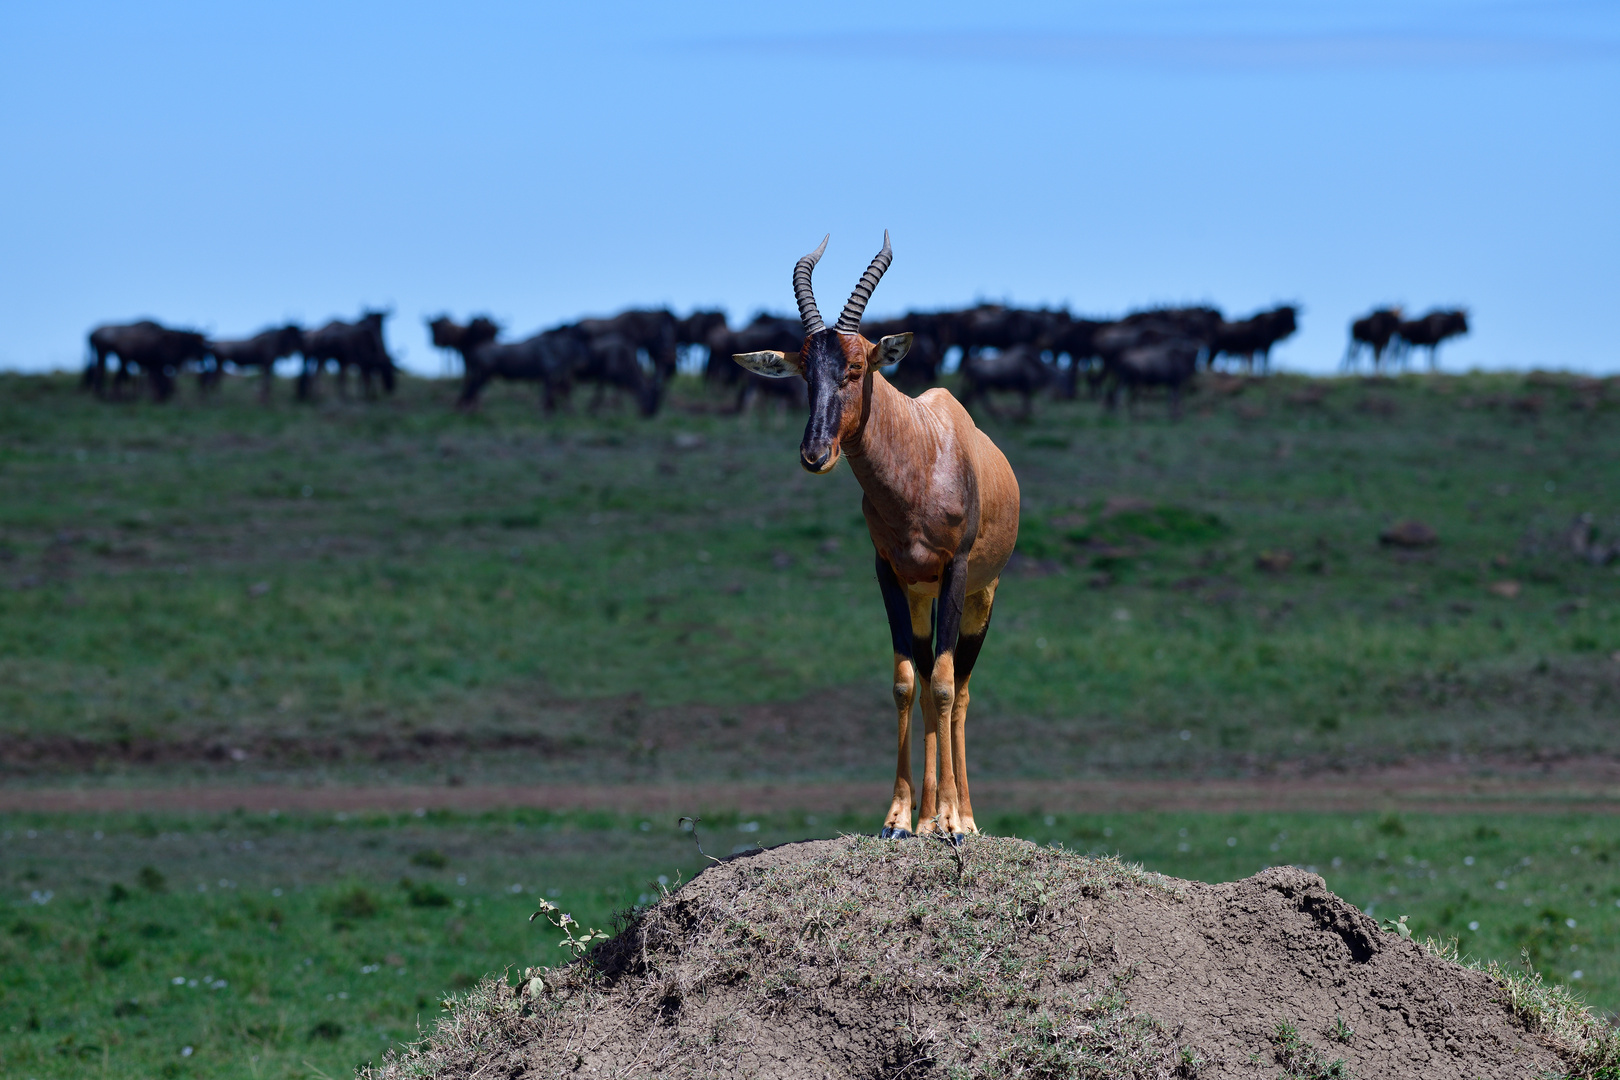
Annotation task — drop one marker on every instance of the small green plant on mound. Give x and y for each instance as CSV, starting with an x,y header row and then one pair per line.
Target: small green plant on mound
x,y
578,944
1302,1061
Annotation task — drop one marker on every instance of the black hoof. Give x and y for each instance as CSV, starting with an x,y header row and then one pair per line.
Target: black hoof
x,y
892,833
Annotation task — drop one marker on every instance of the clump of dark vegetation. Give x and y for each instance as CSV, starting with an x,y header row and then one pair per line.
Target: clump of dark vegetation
x,y
424,894
1302,1061
355,902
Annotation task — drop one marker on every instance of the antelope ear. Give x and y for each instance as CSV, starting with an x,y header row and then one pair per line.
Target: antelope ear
x,y
771,364
893,349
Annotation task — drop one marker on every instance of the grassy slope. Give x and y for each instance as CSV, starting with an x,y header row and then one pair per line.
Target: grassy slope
x,y
331,580
86,980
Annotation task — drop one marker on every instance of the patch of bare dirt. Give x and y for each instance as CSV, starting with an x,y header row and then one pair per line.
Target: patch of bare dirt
x,y
1587,785
858,957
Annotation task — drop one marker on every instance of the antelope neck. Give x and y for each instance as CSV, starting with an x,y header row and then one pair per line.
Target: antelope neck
x,y
886,440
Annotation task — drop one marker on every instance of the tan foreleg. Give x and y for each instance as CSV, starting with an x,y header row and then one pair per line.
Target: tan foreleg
x,y
898,823
975,624
922,638
911,631
946,820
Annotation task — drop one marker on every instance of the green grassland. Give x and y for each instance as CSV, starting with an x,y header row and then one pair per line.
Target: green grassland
x,y
225,589
301,946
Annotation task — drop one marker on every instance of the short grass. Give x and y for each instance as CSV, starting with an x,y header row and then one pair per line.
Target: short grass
x,y
307,945
242,590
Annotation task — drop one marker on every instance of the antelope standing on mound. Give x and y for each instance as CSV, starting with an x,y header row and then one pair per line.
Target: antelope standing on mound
x,y
941,503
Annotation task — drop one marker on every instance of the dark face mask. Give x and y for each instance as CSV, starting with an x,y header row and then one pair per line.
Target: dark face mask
x,y
825,371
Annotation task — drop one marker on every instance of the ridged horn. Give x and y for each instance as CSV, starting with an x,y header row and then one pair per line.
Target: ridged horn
x,y
850,321
804,294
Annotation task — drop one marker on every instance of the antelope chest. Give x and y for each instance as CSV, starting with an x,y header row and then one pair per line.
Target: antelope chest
x,y
918,550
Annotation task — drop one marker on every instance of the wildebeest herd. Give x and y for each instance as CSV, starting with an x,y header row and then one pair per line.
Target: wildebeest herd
x,y
998,350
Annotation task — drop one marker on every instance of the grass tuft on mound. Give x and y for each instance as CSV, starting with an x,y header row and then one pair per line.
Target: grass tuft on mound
x,y
1587,1042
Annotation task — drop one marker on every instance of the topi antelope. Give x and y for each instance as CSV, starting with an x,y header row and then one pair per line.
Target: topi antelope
x,y
941,503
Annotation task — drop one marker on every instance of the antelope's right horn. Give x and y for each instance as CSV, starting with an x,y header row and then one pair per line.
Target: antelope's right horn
x,y
804,294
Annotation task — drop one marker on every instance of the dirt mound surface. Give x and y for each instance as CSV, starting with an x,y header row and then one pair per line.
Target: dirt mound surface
x,y
858,957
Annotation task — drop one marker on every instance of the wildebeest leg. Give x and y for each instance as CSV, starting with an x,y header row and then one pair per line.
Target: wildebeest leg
x,y
268,382
472,381
162,385
947,818
95,370
975,624
906,661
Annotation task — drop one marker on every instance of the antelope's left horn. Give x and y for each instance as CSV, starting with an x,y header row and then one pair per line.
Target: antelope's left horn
x,y
850,321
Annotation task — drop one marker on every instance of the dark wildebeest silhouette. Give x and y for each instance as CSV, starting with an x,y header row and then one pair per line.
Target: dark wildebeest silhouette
x,y
1372,332
1430,330
1077,338
772,330
696,328
653,331
1017,368
550,358
766,332
612,363
358,345
446,333
1254,337
1150,352
931,334
995,326
1196,323
154,351
261,351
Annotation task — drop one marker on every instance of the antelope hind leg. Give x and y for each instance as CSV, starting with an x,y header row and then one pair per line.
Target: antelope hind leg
x,y
975,624
942,695
922,638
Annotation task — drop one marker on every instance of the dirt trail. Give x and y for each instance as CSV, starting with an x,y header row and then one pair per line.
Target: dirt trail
x,y
1568,787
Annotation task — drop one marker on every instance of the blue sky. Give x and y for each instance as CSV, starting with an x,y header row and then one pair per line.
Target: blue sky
x,y
227,166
